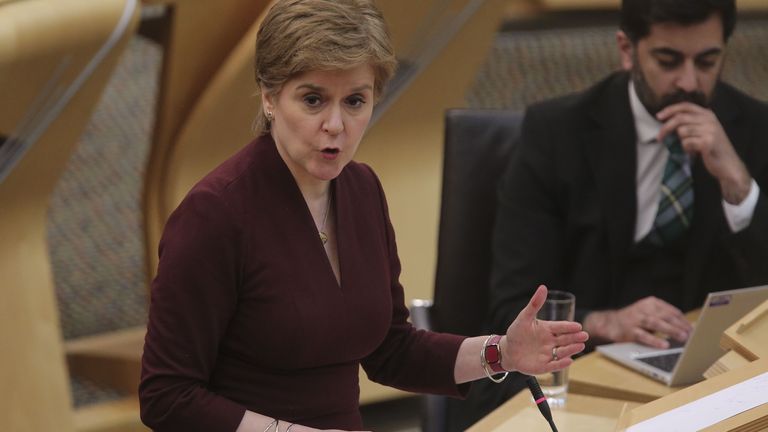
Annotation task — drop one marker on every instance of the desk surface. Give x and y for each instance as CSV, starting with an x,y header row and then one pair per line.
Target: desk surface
x,y
596,375
581,413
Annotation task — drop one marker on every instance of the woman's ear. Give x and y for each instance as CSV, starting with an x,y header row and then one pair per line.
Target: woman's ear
x,y
626,49
267,102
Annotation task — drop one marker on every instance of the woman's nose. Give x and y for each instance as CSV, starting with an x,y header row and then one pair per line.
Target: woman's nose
x,y
333,124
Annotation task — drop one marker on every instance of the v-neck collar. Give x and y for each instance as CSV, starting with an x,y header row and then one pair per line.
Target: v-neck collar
x,y
307,224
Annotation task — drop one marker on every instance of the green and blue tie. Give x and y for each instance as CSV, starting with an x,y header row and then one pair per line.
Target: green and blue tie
x,y
676,201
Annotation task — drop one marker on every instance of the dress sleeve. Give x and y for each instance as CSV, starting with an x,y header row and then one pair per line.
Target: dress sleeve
x,y
410,359
192,299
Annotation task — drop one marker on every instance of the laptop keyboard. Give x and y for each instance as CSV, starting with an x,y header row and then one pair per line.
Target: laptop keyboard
x,y
665,362
674,343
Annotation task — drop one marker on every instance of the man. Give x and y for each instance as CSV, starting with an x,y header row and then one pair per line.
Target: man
x,y
645,192
580,207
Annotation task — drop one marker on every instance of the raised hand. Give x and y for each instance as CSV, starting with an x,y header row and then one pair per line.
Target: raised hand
x,y
533,346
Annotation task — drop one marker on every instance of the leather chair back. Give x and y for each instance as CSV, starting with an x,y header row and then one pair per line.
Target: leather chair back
x,y
478,143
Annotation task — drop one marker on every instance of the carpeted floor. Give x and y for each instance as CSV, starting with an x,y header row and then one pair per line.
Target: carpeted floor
x,y
94,223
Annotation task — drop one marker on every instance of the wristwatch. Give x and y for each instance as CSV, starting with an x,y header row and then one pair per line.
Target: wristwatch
x,y
492,351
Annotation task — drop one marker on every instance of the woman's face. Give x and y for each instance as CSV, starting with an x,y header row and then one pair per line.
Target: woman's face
x,y
319,118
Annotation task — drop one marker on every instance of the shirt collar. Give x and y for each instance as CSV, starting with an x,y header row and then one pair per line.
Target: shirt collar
x,y
646,125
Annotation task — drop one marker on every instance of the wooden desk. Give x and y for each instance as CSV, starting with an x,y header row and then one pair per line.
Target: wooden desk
x,y
599,391
596,375
581,413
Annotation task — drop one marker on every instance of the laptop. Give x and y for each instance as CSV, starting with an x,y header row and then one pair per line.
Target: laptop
x,y
685,364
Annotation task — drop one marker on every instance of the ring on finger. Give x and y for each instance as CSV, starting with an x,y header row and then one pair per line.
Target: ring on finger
x,y
554,354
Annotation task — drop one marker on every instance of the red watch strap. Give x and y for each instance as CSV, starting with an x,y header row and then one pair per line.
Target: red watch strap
x,y
493,354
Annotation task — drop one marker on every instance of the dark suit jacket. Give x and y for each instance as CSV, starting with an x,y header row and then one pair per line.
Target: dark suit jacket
x,y
567,204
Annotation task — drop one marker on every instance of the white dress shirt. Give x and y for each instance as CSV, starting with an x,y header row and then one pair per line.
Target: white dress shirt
x,y
651,160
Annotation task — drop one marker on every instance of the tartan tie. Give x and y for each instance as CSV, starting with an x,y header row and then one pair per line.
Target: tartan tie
x,y
676,201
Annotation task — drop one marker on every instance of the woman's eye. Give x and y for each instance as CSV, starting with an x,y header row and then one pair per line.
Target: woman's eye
x,y
312,100
356,101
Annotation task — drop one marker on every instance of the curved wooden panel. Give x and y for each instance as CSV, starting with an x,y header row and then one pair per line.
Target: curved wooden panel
x,y
41,39
200,34
218,125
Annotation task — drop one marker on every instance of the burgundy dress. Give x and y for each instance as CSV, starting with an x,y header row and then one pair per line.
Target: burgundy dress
x,y
246,312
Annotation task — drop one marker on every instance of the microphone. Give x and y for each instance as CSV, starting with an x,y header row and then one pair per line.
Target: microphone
x,y
541,401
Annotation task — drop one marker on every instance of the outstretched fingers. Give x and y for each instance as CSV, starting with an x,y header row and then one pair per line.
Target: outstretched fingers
x,y
565,333
562,327
538,346
567,340
558,364
571,338
569,350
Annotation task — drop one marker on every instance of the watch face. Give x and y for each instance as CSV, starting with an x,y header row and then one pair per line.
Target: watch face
x,y
492,354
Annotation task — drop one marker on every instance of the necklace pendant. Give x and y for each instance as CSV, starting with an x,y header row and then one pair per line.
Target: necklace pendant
x,y
323,237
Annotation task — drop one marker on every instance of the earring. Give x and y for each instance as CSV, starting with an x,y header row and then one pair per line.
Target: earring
x,y
269,115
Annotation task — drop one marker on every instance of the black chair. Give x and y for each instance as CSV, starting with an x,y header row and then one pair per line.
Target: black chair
x,y
477,147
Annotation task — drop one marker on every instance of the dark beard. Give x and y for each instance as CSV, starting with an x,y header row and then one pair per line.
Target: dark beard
x,y
654,104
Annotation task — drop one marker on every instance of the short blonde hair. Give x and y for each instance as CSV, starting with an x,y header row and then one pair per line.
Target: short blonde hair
x,y
299,36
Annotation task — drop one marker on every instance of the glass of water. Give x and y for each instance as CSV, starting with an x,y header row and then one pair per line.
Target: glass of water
x,y
560,306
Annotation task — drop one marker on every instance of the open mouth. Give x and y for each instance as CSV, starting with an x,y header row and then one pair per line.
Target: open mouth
x,y
330,151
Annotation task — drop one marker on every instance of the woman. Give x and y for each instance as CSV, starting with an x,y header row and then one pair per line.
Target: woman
x,y
278,273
